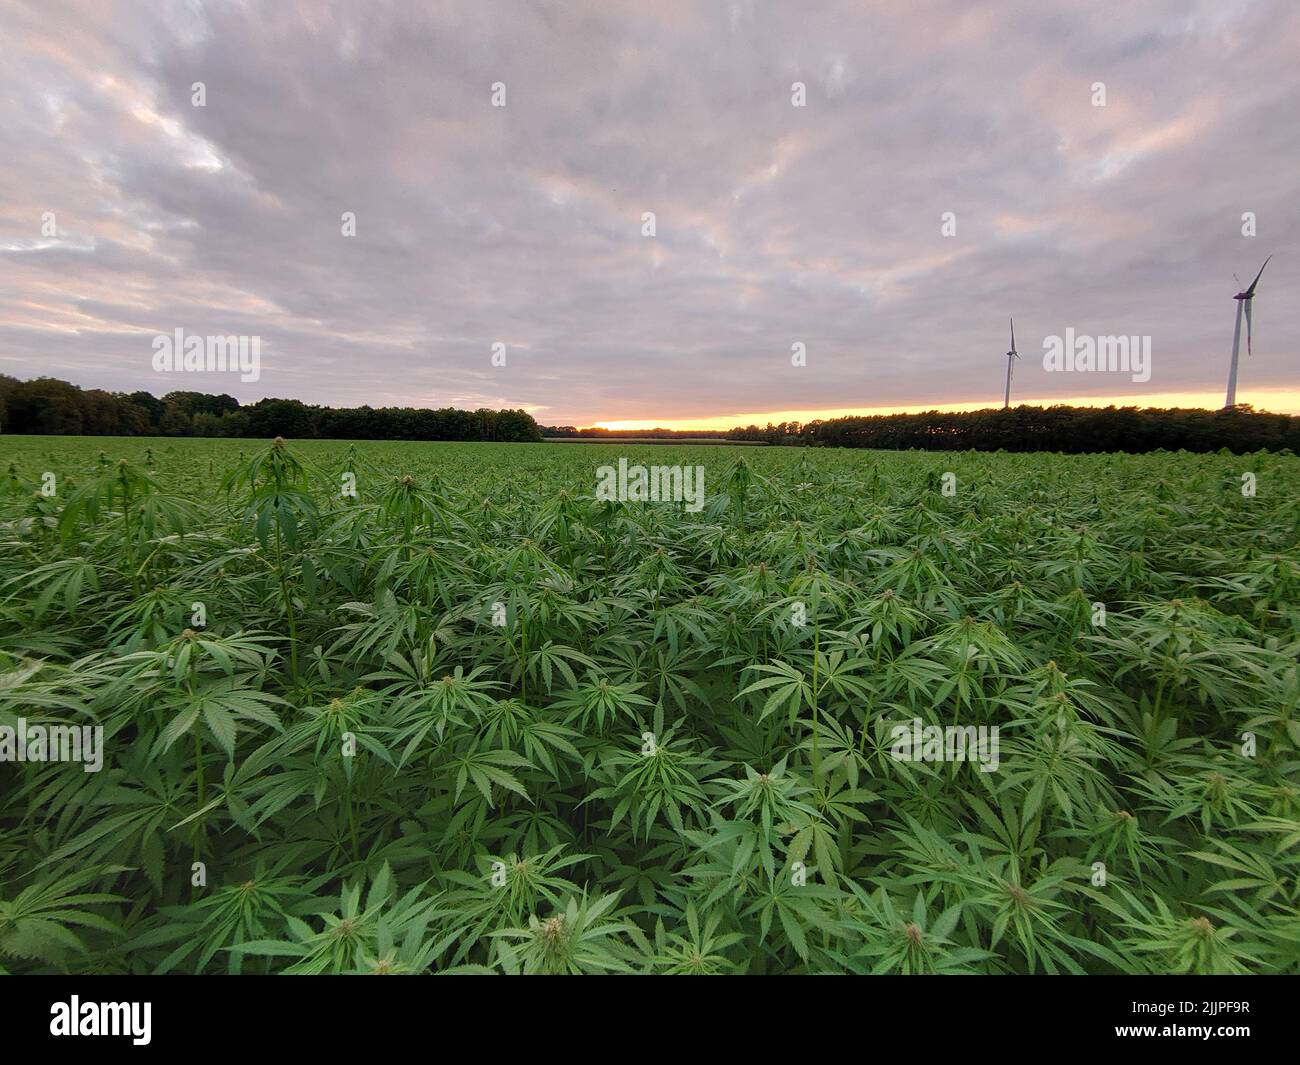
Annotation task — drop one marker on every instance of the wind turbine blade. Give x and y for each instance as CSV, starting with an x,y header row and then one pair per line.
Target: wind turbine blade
x,y
1248,303
1251,291
1013,334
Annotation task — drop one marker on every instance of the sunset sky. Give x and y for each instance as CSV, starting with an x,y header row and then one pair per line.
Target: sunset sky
x,y
775,225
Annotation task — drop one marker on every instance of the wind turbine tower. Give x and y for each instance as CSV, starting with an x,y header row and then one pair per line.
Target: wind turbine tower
x,y
1244,300
1012,355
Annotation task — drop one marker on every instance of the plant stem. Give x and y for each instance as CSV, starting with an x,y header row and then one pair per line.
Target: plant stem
x,y
816,751
288,607
201,789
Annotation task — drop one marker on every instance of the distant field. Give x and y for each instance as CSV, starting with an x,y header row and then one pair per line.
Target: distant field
x,y
538,732
653,440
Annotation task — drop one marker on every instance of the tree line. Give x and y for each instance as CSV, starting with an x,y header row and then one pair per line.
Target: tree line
x,y
49,406
1073,430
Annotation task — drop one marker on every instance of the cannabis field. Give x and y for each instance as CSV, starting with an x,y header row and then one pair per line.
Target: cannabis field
x,y
468,718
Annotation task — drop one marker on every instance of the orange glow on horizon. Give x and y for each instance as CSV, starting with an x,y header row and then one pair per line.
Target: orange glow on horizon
x,y
1273,400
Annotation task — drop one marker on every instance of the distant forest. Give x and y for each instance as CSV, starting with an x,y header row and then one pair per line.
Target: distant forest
x,y
50,406
1067,429
47,405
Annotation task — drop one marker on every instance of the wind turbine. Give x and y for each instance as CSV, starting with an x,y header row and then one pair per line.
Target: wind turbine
x,y
1244,300
1011,355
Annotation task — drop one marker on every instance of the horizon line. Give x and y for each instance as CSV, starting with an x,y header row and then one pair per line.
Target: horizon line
x,y
1264,401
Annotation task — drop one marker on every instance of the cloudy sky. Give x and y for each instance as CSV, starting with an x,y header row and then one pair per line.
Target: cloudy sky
x,y
126,211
